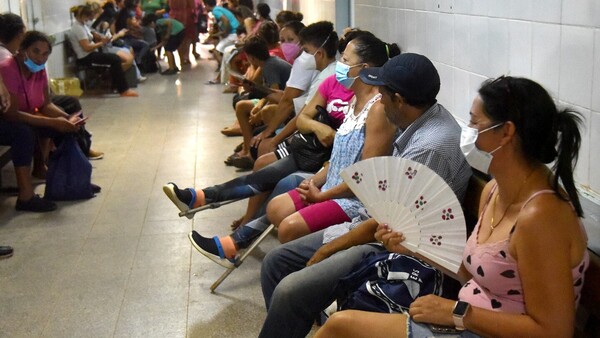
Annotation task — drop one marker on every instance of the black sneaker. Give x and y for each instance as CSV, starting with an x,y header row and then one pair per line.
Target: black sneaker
x,y
183,199
211,248
36,204
5,251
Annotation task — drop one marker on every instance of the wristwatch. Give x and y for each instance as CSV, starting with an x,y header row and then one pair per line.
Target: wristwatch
x,y
458,313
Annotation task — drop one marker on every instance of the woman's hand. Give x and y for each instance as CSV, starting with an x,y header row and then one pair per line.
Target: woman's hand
x,y
310,193
63,125
391,239
432,309
325,134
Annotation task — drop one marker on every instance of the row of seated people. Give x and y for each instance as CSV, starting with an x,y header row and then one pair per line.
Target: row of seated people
x,y
34,120
384,103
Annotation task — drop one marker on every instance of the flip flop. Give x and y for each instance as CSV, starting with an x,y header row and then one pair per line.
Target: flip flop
x,y
212,82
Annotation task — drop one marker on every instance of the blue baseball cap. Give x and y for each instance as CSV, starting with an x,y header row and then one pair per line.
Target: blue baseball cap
x,y
411,75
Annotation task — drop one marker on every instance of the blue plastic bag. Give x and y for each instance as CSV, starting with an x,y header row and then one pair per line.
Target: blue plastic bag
x,y
69,173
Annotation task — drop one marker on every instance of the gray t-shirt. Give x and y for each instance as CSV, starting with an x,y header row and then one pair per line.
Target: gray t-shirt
x,y
276,71
79,32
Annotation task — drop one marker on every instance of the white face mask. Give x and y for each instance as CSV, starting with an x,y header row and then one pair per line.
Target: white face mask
x,y
89,23
307,61
476,157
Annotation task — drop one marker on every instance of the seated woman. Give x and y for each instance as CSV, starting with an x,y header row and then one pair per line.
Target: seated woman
x,y
297,213
10,41
365,132
27,83
85,48
127,18
529,231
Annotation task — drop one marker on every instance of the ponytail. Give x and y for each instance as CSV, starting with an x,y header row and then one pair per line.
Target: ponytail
x,y
546,134
567,124
392,50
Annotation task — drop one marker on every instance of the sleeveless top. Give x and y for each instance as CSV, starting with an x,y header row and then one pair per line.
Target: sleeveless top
x,y
347,149
495,283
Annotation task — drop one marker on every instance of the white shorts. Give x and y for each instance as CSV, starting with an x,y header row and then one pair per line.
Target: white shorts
x,y
226,41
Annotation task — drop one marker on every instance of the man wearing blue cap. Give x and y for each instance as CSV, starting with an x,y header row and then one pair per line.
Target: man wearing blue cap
x,y
300,278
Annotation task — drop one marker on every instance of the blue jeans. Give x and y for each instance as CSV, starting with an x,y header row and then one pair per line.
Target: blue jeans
x,y
252,184
140,47
296,294
245,235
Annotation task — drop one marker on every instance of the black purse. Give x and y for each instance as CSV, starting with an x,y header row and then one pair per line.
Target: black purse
x,y
306,149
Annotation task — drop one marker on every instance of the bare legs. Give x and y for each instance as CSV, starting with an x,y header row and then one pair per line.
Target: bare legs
x,y
361,324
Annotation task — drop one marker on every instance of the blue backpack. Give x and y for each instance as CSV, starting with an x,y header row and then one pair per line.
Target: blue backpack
x,y
69,173
388,282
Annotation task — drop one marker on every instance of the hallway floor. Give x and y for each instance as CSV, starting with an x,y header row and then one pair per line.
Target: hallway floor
x,y
120,264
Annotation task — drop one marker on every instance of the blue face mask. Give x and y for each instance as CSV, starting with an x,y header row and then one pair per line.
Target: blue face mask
x,y
341,74
32,66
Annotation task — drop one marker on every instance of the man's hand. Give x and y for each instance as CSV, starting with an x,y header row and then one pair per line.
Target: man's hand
x,y
391,240
321,254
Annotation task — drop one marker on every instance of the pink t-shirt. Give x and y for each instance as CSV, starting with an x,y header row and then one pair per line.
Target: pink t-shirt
x,y
337,97
30,92
496,284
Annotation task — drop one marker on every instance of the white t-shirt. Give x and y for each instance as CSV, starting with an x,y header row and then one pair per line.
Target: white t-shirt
x,y
314,85
300,79
79,32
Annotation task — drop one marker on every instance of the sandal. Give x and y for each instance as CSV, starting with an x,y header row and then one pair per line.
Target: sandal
x,y
212,82
236,224
238,147
230,158
227,131
243,162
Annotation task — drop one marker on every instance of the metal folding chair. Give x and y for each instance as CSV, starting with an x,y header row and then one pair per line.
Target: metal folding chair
x,y
246,253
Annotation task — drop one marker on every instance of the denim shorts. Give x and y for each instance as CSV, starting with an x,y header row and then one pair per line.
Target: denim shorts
x,y
420,330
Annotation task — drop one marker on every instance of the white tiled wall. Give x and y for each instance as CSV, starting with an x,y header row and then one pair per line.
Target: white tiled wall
x,y
554,42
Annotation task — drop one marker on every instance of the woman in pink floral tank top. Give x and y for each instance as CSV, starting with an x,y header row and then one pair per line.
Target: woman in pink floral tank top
x,y
523,265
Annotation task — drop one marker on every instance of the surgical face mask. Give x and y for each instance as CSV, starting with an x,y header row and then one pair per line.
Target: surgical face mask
x,y
32,66
290,50
476,157
341,74
88,23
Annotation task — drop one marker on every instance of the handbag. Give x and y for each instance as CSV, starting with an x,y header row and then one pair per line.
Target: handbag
x,y
388,282
69,173
306,149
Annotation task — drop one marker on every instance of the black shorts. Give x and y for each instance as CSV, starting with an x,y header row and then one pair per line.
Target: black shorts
x,y
174,41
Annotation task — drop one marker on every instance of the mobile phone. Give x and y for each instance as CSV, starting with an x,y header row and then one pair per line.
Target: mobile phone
x,y
443,329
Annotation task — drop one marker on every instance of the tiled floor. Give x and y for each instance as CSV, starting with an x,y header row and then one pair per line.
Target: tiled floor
x,y
120,264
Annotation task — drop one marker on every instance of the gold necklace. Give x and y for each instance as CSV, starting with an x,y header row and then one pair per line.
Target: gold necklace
x,y
492,226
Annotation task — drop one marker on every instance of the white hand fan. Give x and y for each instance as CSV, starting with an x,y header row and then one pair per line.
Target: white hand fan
x,y
414,200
